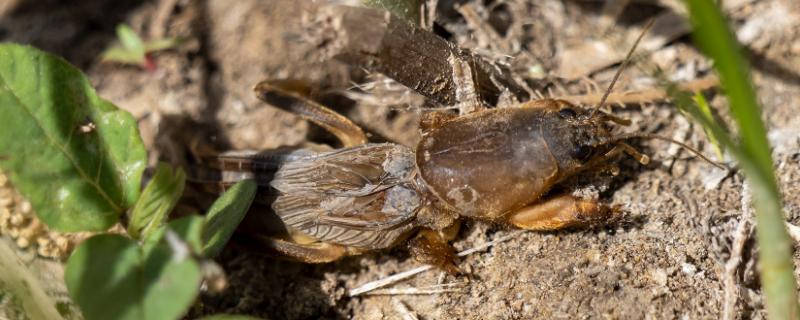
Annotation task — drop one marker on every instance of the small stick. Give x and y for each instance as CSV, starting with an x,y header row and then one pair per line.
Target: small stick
x,y
641,96
731,288
739,239
369,286
434,289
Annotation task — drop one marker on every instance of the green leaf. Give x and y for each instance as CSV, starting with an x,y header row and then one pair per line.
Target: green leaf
x,y
189,229
130,40
122,55
78,158
110,277
157,201
161,44
133,50
711,33
225,215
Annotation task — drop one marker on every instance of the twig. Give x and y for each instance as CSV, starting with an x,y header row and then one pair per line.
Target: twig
x,y
372,285
402,309
434,289
740,237
731,287
641,96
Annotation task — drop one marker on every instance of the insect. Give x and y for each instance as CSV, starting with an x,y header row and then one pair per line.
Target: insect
x,y
495,164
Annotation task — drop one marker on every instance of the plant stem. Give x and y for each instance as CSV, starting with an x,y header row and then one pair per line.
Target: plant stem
x,y
776,267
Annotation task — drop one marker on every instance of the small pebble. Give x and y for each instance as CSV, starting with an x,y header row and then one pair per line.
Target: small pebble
x,y
42,241
659,276
795,48
6,201
23,242
45,252
688,268
25,207
16,219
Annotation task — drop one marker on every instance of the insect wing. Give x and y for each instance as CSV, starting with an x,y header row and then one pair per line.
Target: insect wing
x,y
361,196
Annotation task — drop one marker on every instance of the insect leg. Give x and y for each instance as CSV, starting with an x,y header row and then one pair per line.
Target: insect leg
x,y
317,252
619,148
553,104
559,212
430,247
285,96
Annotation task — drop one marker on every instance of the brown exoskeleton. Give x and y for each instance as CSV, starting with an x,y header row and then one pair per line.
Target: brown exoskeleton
x,y
493,164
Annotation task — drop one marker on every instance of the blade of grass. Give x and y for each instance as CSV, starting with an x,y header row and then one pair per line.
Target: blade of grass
x,y
702,105
716,40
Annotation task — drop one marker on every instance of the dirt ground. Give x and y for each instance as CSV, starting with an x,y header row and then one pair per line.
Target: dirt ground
x,y
664,259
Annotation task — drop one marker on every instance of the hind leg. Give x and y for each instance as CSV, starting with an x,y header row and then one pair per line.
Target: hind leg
x,y
288,95
315,252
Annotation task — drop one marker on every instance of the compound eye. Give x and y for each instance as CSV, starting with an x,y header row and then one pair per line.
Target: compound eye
x,y
567,113
582,152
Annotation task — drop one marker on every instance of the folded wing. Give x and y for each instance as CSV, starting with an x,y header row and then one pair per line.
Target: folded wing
x,y
362,197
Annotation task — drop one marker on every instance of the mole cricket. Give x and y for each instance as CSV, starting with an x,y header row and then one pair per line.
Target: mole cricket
x,y
492,164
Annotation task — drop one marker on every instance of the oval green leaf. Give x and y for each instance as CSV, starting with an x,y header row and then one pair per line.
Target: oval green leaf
x,y
78,158
225,215
110,277
189,229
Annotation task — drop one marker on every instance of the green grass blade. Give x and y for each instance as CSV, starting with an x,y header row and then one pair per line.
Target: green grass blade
x,y
702,105
777,270
714,38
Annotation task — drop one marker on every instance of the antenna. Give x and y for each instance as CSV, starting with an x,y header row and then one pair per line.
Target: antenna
x,y
655,136
622,68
